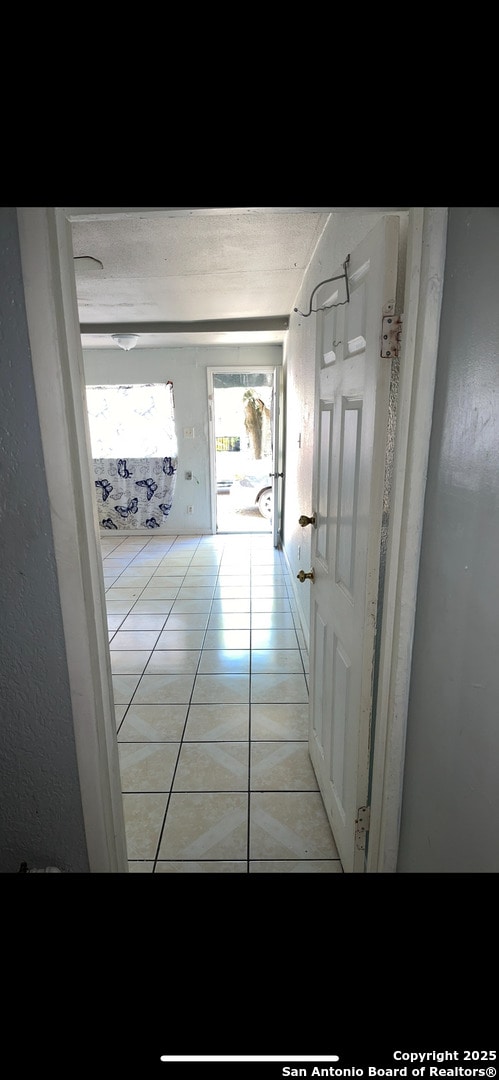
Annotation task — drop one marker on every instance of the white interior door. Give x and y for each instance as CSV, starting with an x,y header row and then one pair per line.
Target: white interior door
x,y
353,384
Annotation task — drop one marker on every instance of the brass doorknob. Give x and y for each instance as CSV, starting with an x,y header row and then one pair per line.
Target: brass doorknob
x,y
302,576
303,520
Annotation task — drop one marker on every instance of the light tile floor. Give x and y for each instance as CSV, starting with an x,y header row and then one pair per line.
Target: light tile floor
x,y
210,675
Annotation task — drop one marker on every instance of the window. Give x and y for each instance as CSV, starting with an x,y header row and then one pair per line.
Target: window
x,y
135,421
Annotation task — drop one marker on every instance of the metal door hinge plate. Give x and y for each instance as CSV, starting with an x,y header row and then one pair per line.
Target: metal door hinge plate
x,y
391,333
362,822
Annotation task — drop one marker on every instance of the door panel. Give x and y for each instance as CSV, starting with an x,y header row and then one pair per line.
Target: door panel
x,y
352,408
349,484
325,441
341,701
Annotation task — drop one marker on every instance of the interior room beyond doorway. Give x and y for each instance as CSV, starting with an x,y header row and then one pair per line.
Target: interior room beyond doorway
x,y
243,419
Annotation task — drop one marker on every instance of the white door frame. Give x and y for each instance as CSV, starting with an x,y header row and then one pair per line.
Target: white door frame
x,y
275,371
53,325
418,360
56,353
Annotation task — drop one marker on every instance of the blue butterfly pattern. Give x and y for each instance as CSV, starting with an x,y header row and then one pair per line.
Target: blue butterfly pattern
x,y
122,469
152,523
106,488
108,524
168,468
150,485
165,507
125,511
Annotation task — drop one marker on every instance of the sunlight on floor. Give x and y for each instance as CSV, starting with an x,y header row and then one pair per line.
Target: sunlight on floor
x,y
210,676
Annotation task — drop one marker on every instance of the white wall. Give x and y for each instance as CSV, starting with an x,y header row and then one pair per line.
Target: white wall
x,y
342,234
450,811
186,368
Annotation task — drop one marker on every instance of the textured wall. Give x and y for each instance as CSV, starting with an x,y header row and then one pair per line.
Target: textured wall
x,y
187,370
450,808
40,811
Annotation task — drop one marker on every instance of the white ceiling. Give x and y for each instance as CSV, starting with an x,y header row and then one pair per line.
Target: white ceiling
x,y
192,275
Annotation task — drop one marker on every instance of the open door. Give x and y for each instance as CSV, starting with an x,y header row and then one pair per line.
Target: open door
x,y
244,414
353,388
278,467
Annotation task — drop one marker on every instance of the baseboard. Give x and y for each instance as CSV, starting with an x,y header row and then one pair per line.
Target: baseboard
x,y
151,534
297,598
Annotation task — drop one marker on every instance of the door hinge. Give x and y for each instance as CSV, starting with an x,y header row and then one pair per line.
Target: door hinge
x,y
362,822
391,333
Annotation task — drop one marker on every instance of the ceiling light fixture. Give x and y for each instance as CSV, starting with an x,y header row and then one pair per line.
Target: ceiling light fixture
x,y
125,341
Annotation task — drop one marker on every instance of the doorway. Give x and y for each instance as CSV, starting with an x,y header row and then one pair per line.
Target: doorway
x,y
46,253
243,414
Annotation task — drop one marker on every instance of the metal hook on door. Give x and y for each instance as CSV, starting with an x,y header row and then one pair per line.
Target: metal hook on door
x,y
326,307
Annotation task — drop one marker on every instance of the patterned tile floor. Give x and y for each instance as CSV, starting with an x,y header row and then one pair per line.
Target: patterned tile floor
x,y
210,676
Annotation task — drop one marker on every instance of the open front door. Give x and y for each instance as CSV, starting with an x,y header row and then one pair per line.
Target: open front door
x,y
245,414
353,385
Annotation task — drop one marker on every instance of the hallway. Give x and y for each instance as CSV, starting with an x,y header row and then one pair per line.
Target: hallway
x,y
210,677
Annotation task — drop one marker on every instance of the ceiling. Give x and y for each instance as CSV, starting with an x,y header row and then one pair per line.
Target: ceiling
x,y
183,276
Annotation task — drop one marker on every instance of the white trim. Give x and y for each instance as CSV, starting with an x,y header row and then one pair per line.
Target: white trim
x,y
277,489
212,447
119,213
230,369
418,361
297,597
52,314
147,534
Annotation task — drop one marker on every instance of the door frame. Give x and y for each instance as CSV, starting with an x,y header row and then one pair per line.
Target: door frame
x,y
275,371
55,341
57,359
424,279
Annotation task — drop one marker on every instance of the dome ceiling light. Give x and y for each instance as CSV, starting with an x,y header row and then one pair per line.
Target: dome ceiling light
x,y
126,341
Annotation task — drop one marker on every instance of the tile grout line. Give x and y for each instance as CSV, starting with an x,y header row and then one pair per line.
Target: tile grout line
x,y
155,862
167,615
170,793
